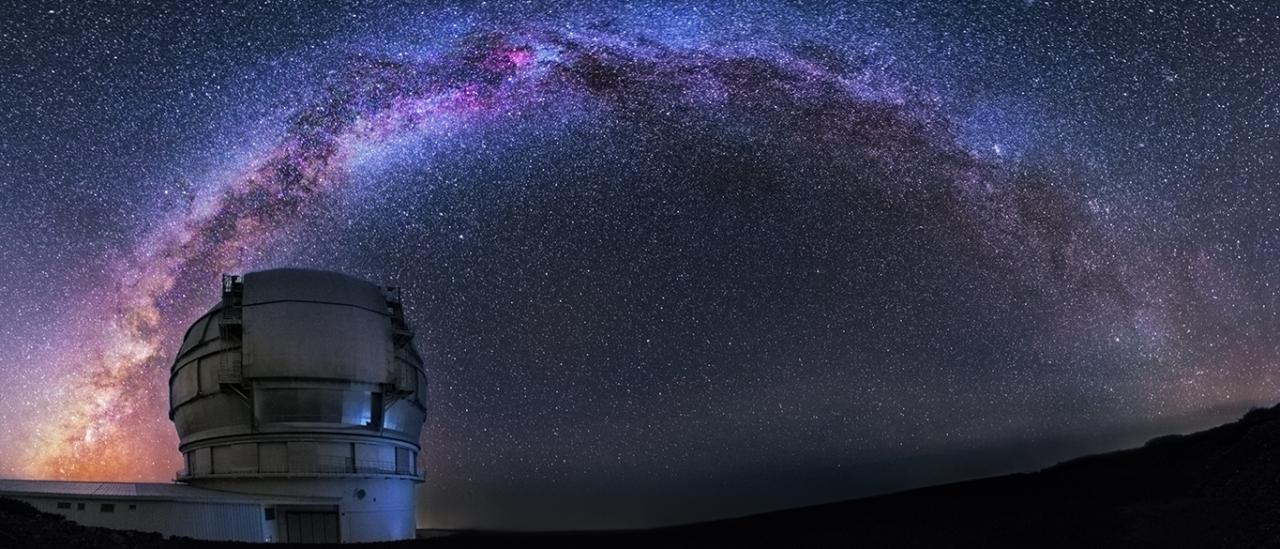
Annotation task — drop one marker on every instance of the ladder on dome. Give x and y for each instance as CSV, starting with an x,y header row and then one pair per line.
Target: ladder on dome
x,y
231,329
403,380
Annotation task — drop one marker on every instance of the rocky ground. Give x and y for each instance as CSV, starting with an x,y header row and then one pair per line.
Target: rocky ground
x,y
22,526
1216,488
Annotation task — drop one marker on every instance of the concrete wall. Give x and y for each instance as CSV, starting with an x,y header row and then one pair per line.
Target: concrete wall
x,y
371,509
209,521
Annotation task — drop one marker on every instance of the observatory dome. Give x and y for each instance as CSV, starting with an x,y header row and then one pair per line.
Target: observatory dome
x,y
302,382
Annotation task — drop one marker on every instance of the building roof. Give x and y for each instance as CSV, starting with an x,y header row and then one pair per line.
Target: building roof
x,y
141,491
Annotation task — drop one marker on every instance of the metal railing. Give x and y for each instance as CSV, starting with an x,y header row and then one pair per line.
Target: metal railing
x,y
325,465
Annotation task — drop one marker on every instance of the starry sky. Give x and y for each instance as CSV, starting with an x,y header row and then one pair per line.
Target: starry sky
x,y
667,261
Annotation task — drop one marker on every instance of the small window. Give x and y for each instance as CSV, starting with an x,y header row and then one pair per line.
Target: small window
x,y
79,506
133,507
108,508
269,513
64,504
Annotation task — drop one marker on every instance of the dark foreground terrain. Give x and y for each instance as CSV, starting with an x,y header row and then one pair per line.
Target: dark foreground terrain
x,y
1216,488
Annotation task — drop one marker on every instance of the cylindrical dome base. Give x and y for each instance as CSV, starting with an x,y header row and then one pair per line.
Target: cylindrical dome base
x,y
364,509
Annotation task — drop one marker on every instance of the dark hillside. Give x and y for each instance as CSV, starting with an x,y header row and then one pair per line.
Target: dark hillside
x,y
1215,488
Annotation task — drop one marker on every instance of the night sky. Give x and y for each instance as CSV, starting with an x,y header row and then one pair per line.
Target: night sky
x,y
666,261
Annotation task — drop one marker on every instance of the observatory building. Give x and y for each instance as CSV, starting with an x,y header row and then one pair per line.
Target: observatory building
x,y
298,399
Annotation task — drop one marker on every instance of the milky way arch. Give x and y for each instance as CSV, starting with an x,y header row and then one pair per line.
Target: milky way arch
x,y
848,105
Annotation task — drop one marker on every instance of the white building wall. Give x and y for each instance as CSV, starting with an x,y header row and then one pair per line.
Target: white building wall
x,y
207,521
370,509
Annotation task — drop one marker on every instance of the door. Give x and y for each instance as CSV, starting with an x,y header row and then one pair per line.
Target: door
x,y
311,527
